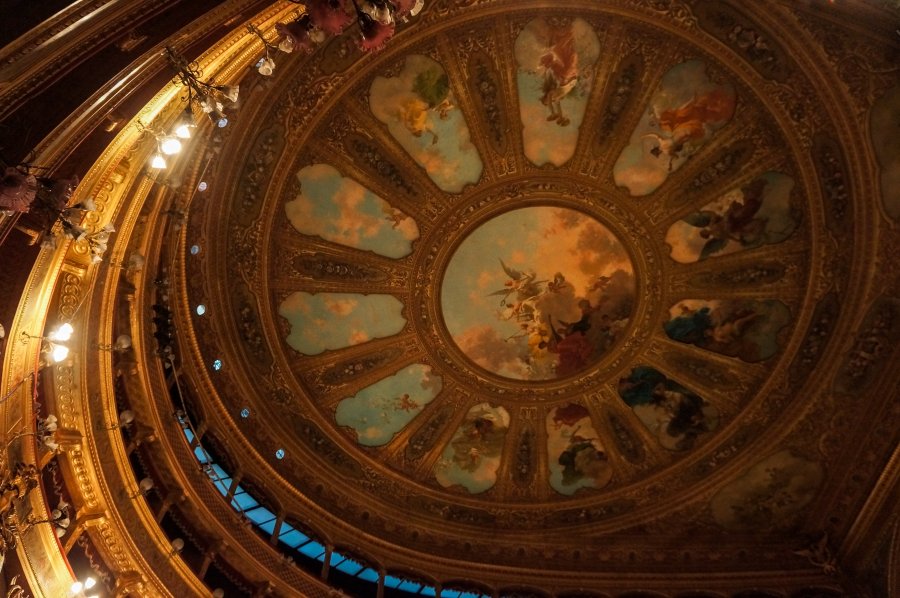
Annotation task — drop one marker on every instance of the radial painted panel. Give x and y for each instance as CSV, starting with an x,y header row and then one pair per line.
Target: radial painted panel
x,y
419,110
770,495
554,81
576,456
566,291
885,122
379,411
472,457
758,213
684,113
672,413
340,210
336,320
739,328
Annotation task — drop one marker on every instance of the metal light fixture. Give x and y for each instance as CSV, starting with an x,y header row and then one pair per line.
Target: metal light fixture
x,y
51,345
209,97
170,145
158,162
123,342
184,124
144,486
126,418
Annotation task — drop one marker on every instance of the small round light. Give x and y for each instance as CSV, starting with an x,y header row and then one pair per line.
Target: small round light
x,y
279,454
217,364
202,186
222,122
77,587
126,417
195,249
146,485
158,162
183,131
63,333
170,146
177,544
245,412
201,309
218,593
59,353
89,583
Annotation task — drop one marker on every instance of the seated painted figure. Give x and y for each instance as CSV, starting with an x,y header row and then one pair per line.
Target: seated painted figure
x,y
675,414
747,329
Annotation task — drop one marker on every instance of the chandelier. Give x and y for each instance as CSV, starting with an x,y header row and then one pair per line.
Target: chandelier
x,y
376,21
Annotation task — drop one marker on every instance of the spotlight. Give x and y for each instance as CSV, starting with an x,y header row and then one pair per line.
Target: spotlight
x,y
158,162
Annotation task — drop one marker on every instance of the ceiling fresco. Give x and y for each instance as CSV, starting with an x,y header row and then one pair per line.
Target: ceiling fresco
x,y
553,82
547,277
538,293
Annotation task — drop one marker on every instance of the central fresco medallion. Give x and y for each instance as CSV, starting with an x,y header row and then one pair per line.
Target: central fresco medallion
x,y
538,293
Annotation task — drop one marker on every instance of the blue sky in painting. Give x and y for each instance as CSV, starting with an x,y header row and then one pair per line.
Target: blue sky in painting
x,y
336,320
686,242
471,458
639,170
379,411
543,239
560,436
450,159
544,140
340,210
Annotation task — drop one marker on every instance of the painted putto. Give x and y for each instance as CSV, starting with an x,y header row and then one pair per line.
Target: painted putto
x,y
340,210
418,107
328,321
378,412
538,293
472,457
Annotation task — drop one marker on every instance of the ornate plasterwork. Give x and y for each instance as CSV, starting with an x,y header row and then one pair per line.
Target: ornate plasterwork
x,y
836,343
352,138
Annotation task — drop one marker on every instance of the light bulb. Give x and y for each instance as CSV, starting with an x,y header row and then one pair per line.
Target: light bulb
x,y
146,485
218,593
126,417
77,587
158,161
63,333
170,146
183,131
177,544
89,583
59,353
123,342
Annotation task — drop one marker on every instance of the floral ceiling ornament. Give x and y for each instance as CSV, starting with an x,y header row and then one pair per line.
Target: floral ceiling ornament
x,y
377,20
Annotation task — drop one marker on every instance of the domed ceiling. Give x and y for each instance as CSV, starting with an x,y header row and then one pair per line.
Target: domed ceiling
x,y
550,288
540,299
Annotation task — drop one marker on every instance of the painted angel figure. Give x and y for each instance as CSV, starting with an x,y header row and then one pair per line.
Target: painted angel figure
x,y
432,90
738,223
689,122
523,284
557,63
